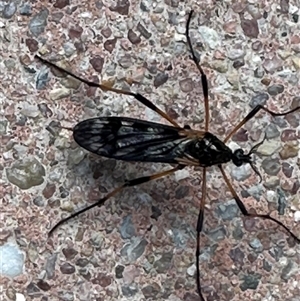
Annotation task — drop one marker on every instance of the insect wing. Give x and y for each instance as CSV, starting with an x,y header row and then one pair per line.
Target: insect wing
x,y
131,139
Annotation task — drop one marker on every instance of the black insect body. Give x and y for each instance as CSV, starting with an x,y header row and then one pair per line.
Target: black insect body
x,y
209,151
131,139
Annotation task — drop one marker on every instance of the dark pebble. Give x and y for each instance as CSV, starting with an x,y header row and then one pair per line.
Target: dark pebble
x,y
67,268
259,99
43,285
121,6
275,89
129,290
69,253
133,37
102,279
9,10
144,32
250,27
61,3
110,45
160,79
38,23
250,282
97,62
119,271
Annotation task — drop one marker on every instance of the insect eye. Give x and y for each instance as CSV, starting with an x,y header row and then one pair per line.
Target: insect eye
x,y
239,153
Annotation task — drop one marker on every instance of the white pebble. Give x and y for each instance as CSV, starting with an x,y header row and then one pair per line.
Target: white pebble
x,y
297,216
191,270
181,174
20,297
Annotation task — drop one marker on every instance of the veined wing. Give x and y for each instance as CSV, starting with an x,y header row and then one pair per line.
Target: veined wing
x,y
131,139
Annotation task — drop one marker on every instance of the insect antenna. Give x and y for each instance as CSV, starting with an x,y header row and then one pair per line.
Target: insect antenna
x,y
253,151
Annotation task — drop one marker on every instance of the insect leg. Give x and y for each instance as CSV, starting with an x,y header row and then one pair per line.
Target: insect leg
x,y
252,113
199,229
103,87
128,183
246,213
203,75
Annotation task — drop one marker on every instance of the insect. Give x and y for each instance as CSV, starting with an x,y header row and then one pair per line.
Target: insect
x,y
130,139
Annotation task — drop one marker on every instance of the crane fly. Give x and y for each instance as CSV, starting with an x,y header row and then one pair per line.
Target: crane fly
x,y
131,139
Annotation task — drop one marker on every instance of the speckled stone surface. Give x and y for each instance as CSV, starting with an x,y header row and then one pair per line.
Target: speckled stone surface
x,y
141,244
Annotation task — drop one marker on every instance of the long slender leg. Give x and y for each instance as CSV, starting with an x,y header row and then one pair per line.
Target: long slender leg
x,y
203,75
252,113
207,118
128,183
137,96
245,211
199,230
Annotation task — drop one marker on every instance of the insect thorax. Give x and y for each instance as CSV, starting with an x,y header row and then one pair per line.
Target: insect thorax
x,y
209,151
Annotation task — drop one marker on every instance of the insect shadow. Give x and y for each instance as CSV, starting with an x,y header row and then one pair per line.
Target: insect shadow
x,y
130,139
